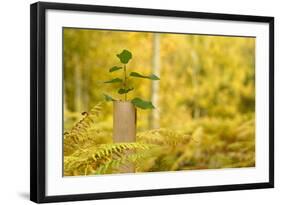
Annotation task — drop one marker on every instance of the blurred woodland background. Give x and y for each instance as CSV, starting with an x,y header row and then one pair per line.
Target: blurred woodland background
x,y
205,101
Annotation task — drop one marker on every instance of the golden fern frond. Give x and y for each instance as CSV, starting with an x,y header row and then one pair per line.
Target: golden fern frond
x,y
78,134
112,166
106,150
164,137
98,155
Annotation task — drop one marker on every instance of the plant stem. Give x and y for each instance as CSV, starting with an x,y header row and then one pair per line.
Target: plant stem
x,y
125,81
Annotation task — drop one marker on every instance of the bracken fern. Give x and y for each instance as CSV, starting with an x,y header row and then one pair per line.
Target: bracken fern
x,y
78,135
204,144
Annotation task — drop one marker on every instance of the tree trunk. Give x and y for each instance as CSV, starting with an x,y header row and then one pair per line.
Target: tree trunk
x,y
154,114
77,86
124,128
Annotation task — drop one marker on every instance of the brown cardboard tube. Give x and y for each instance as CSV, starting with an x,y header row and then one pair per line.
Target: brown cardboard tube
x,y
124,121
124,128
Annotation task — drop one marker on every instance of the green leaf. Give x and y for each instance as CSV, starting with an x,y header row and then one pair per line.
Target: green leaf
x,y
125,56
151,77
114,68
142,104
115,80
125,90
108,97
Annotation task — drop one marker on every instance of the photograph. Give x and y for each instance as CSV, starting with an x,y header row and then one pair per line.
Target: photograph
x,y
142,101
133,102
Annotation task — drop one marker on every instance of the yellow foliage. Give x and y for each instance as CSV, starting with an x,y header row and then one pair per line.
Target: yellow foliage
x,y
206,102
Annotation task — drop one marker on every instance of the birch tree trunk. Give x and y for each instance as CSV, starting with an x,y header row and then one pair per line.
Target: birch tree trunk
x,y
154,115
77,87
124,128
86,83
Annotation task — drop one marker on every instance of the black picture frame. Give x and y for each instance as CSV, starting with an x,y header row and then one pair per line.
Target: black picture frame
x,y
38,101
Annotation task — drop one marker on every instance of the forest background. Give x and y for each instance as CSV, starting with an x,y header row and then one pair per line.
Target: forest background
x,y
205,100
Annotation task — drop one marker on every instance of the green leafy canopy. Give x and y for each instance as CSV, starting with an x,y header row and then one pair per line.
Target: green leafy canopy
x,y
115,68
115,80
151,77
125,56
125,90
142,103
108,97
